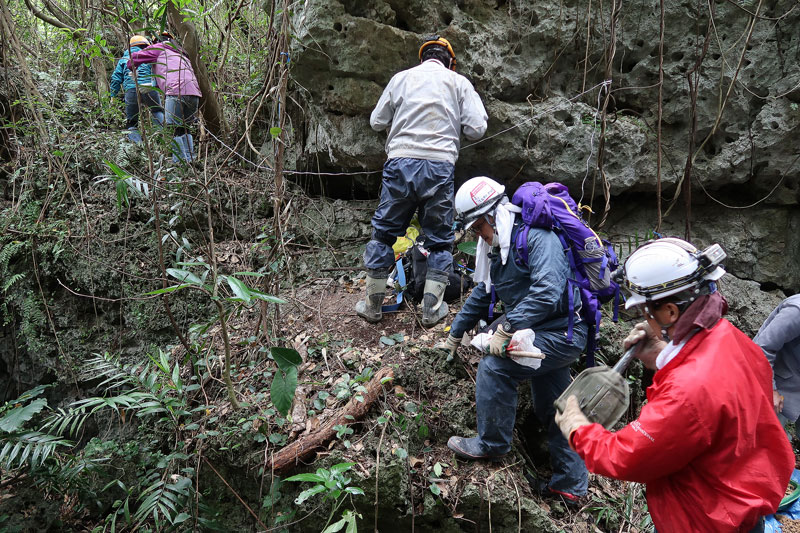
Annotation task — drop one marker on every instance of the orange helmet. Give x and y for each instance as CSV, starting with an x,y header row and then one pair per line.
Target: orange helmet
x,y
138,40
444,43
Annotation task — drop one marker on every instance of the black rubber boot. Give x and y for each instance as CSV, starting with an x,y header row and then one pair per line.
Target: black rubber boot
x,y
470,449
434,308
370,308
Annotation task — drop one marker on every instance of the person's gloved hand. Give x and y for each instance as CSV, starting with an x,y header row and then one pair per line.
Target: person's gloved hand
x,y
572,418
650,344
450,345
499,341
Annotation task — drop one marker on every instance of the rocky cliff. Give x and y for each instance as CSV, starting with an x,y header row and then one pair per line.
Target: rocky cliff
x,y
572,92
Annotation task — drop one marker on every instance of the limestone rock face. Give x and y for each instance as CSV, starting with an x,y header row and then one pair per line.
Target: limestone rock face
x,y
542,71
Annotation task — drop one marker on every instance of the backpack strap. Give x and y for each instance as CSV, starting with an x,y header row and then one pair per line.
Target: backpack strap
x,y
491,304
401,280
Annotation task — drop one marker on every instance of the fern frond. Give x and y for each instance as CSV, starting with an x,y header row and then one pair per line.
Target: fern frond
x,y
161,500
7,253
32,447
12,280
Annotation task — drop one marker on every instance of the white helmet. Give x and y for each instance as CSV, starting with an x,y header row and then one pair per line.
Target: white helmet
x,y
475,198
664,267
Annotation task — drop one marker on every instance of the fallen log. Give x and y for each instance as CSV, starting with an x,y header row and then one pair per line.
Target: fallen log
x,y
306,445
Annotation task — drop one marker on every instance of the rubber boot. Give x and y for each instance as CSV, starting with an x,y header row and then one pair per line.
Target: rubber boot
x,y
181,149
370,308
189,147
134,136
434,308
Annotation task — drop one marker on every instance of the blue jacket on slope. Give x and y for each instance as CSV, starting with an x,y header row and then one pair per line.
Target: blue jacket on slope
x,y
122,75
535,297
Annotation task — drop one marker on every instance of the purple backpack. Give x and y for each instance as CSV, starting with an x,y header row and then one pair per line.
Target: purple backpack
x,y
591,259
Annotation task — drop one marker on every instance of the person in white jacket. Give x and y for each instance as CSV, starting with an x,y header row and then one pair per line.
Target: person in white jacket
x,y
425,109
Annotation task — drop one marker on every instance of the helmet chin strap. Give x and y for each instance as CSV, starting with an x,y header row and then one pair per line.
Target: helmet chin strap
x,y
664,327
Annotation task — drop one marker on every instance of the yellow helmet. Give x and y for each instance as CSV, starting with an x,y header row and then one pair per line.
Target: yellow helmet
x,y
444,43
138,40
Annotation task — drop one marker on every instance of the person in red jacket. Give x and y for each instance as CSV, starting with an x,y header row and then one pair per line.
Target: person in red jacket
x,y
707,443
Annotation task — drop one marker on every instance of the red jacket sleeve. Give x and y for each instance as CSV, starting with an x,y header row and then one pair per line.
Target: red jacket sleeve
x,y
668,434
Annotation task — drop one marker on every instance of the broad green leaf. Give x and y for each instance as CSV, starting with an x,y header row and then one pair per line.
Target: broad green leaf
x,y
116,169
184,276
437,469
282,390
306,494
266,297
16,418
388,341
336,526
241,290
341,467
286,358
275,131
315,478
469,248
168,289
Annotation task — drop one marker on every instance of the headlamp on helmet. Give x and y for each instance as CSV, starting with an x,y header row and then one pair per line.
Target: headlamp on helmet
x,y
666,267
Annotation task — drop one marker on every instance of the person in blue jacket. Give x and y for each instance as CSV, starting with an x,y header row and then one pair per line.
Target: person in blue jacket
x,y
537,297
122,77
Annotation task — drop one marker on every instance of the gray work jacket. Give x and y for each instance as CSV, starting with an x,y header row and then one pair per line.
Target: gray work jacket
x,y
427,107
779,337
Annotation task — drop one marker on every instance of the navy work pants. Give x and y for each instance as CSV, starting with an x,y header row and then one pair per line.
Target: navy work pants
x,y
410,185
496,403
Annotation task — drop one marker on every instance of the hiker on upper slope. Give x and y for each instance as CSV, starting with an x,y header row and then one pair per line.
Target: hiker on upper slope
x,y
121,77
707,443
175,77
779,338
535,296
425,108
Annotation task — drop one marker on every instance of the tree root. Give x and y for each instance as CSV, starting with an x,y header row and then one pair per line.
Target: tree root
x,y
305,446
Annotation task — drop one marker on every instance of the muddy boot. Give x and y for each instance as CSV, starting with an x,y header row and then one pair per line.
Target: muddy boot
x,y
370,308
434,307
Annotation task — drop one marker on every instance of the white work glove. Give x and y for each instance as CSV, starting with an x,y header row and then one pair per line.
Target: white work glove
x,y
571,419
499,341
650,344
450,345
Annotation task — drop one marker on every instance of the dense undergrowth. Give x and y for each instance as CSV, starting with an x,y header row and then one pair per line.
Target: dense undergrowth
x,y
168,329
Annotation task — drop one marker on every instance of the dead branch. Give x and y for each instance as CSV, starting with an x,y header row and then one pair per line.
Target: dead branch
x,y
303,447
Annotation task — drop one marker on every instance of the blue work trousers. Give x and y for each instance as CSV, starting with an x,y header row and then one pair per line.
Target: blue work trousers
x,y
496,403
150,98
410,185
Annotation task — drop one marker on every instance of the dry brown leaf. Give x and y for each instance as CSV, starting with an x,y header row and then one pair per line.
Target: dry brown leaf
x,y
415,461
399,391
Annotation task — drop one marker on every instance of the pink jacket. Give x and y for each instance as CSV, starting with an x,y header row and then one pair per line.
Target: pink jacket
x,y
172,70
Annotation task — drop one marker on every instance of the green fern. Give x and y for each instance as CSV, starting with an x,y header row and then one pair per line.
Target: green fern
x,y
7,253
12,280
32,447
